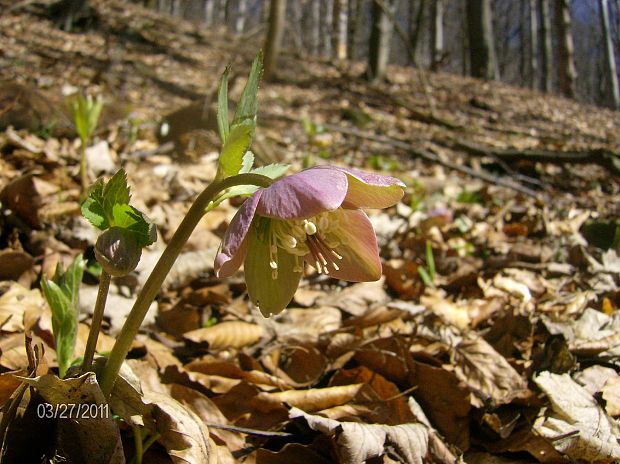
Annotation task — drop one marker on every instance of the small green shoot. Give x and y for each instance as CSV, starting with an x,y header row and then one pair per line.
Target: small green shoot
x,y
428,275
469,197
62,294
237,136
86,112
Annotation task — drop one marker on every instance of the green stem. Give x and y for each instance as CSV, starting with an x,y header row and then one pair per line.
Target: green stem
x,y
137,438
83,167
95,326
161,270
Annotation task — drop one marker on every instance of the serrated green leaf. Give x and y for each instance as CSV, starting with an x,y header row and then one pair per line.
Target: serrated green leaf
x,y
273,171
248,103
92,207
62,294
116,192
247,162
239,140
130,218
222,107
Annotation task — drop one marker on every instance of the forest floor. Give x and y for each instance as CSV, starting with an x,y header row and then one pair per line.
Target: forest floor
x,y
508,353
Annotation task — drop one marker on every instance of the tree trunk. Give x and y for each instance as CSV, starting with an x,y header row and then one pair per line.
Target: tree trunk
x,y
242,7
342,20
328,27
355,21
415,26
380,39
208,9
315,23
609,54
547,52
437,11
480,32
533,43
274,37
566,49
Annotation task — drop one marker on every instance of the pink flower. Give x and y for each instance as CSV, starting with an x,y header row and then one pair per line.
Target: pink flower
x,y
311,216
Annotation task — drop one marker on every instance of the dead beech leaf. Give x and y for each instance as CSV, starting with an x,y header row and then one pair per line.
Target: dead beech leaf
x,y
14,303
452,312
611,395
360,442
14,263
184,435
576,424
76,435
227,334
315,399
487,373
298,365
357,298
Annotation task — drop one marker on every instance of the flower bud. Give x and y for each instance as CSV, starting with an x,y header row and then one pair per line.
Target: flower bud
x,y
118,251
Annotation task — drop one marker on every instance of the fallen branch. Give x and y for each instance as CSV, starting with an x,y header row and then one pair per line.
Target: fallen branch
x,y
429,156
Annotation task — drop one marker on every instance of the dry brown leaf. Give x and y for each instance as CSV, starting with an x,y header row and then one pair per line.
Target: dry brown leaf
x,y
293,453
76,435
226,369
487,373
360,442
315,399
14,264
576,424
307,325
14,303
298,365
357,298
227,334
611,395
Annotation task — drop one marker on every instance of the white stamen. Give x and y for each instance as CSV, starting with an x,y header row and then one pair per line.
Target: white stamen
x,y
309,227
289,241
273,264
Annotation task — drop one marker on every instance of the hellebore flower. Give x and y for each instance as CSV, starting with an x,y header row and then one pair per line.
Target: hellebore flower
x,y
313,216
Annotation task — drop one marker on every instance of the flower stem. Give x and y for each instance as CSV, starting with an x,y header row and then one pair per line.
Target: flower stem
x,y
95,326
83,167
161,270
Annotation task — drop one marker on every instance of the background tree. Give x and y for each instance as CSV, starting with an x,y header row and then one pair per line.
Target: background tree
x,y
437,8
342,19
480,31
566,59
547,51
273,40
533,23
610,57
380,38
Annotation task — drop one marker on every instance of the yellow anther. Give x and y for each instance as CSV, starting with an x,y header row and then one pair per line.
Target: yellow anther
x,y
309,227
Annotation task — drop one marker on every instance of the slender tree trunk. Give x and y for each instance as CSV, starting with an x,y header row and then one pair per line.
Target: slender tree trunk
x,y
437,11
208,9
480,31
415,25
355,21
342,20
242,7
610,54
274,37
380,40
315,23
533,44
328,27
547,52
566,49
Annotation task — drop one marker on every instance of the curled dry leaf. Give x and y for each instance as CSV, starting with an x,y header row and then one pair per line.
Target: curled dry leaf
x,y
315,399
359,442
487,373
75,436
576,425
13,305
227,334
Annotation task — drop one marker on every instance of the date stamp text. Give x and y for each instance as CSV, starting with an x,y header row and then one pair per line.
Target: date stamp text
x,y
73,411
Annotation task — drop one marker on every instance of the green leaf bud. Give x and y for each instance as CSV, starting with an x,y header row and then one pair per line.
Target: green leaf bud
x,y
118,251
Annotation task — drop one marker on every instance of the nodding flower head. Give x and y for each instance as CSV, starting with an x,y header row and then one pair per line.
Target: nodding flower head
x,y
313,216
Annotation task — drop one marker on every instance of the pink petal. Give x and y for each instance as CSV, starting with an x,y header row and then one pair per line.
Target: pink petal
x,y
360,255
304,194
370,190
234,245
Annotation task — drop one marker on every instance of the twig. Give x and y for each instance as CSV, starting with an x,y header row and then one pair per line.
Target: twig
x,y
427,155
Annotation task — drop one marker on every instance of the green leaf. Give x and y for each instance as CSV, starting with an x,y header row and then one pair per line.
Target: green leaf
x,y
248,103
93,209
273,171
237,144
247,162
62,293
86,112
116,191
222,107
130,218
